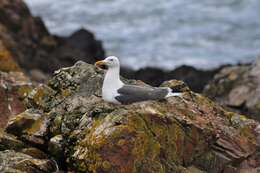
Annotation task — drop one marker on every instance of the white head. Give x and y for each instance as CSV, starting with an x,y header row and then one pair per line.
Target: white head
x,y
110,62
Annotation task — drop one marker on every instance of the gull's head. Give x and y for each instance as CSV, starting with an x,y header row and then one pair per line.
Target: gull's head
x,y
109,62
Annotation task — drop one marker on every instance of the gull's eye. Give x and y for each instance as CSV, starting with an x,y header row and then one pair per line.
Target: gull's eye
x,y
111,60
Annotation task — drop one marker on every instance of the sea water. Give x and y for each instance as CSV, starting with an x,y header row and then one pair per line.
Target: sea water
x,y
162,33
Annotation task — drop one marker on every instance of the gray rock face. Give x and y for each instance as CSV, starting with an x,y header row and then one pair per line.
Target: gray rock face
x,y
238,88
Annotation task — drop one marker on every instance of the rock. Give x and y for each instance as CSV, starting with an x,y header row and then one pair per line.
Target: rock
x,y
195,78
189,134
238,89
30,125
176,86
257,129
35,153
14,86
39,96
25,39
16,156
81,45
7,63
56,147
10,142
16,162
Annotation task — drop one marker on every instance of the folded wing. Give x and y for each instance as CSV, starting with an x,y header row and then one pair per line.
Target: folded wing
x,y
132,93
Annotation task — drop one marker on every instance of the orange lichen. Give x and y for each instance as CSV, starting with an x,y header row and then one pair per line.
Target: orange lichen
x,y
7,63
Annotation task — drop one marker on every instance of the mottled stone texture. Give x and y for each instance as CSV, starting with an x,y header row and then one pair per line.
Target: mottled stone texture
x,y
238,89
14,86
85,134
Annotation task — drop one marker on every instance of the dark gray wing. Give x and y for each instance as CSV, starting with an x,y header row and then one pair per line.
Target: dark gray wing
x,y
132,93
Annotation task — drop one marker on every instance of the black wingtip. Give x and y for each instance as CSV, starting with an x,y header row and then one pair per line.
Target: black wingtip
x,y
178,88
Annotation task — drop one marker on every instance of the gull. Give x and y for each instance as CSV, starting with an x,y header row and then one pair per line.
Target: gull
x,y
115,91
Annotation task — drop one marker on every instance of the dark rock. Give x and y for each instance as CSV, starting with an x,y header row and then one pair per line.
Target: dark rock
x,y
35,153
81,45
56,147
10,142
196,79
33,47
238,89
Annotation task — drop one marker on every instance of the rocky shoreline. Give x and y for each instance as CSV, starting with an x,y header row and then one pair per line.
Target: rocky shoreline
x,y
63,125
68,121
39,53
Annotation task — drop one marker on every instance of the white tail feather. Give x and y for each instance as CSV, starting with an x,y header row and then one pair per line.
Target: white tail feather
x,y
173,94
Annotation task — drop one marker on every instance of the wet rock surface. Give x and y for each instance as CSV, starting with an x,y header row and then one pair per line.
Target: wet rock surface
x,y
238,89
189,134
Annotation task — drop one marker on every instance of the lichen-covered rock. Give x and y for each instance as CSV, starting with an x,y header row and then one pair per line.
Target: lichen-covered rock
x,y
16,162
14,86
30,125
187,135
238,89
16,156
39,97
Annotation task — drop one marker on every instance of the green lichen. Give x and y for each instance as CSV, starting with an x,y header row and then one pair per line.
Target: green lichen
x,y
24,90
65,92
106,165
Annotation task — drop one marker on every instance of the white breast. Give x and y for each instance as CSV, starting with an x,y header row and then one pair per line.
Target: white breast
x,y
109,94
110,86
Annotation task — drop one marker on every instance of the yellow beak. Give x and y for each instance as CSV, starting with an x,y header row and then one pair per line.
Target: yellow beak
x,y
100,63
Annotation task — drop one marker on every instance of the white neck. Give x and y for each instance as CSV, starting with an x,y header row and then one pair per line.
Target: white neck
x,y
112,79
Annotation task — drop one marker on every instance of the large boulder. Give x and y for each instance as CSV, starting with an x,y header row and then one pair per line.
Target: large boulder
x,y
85,134
238,89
